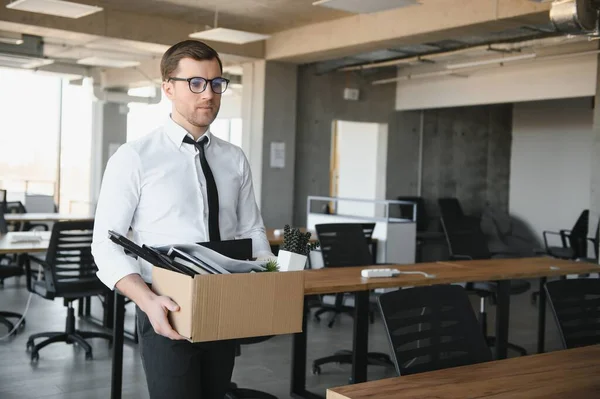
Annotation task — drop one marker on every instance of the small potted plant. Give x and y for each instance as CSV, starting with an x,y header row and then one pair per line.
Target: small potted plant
x,y
295,249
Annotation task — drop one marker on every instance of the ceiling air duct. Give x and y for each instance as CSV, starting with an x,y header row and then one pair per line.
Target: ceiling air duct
x,y
575,16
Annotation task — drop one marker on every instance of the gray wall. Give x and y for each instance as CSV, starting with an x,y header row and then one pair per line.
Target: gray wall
x,y
279,125
466,154
320,101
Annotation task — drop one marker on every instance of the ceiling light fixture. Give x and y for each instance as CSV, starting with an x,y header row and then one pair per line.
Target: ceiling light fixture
x,y
365,6
58,8
226,35
491,61
11,38
107,62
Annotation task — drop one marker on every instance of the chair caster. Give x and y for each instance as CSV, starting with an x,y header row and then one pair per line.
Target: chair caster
x,y
35,356
89,356
30,345
316,370
317,318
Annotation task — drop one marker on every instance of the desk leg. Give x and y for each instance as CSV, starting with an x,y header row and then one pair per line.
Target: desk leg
x,y
542,316
502,317
117,357
360,341
299,345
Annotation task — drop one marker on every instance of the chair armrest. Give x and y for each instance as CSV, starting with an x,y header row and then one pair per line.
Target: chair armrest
x,y
546,233
29,273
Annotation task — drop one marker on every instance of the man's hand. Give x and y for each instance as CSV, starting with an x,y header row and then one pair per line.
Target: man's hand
x,y
156,307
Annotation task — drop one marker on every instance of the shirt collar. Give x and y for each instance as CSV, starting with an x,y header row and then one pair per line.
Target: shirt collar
x,y
176,133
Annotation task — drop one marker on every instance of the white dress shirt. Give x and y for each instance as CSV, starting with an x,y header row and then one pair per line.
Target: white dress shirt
x,y
156,186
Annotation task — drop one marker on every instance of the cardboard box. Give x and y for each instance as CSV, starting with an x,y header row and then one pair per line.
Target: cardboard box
x,y
227,306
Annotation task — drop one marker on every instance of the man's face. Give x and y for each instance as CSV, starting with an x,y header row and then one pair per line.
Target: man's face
x,y
201,109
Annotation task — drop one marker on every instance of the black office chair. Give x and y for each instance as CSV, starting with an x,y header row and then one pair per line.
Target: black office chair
x,y
575,304
235,392
467,241
10,266
338,306
432,328
342,245
69,272
574,241
3,195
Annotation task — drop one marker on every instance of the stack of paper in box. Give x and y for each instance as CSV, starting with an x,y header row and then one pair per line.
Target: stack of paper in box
x,y
192,259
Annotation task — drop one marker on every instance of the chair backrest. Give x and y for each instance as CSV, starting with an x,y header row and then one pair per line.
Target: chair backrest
x,y
465,239
343,244
70,256
3,224
576,307
3,200
432,328
450,208
406,211
578,236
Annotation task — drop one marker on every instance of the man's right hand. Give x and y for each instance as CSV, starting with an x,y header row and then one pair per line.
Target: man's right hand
x,y
156,307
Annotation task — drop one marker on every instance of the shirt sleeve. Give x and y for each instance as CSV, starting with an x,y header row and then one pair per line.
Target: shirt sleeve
x,y
250,222
118,200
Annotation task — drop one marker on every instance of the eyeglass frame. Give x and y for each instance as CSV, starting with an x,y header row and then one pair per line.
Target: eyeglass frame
x,y
206,82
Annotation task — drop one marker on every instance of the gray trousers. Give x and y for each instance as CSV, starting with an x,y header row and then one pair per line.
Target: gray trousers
x,y
184,370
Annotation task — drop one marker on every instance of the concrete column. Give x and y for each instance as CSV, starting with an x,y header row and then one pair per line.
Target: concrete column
x,y
595,165
269,117
109,131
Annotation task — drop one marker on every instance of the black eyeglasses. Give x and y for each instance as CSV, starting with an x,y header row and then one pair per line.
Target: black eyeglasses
x,y
198,84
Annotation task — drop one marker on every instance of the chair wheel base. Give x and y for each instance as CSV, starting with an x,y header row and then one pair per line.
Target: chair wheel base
x,y
316,370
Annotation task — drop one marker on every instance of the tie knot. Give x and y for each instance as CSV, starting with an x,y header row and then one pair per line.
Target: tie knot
x,y
201,142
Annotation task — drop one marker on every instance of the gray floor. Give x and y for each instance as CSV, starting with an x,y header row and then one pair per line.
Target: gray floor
x,y
63,372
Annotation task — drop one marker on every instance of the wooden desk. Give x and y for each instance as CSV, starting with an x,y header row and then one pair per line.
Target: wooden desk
x,y
334,280
569,373
44,217
8,247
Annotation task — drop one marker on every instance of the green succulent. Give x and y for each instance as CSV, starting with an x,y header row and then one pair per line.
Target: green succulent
x,y
272,266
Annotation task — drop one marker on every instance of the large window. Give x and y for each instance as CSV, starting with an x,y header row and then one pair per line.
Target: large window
x,y
32,128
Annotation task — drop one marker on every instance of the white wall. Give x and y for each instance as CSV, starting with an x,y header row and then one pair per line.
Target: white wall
x,y
538,80
551,162
361,149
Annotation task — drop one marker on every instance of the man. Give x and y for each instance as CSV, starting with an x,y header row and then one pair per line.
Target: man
x,y
178,184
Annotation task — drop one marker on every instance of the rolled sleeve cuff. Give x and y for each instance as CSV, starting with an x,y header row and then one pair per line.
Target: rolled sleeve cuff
x,y
111,277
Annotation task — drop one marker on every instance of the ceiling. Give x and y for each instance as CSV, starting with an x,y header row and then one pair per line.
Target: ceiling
x,y
261,16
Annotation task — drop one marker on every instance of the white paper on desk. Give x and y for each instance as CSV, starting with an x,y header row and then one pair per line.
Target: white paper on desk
x,y
215,259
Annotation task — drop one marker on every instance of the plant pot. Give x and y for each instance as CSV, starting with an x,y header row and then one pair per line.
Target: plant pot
x,y
290,261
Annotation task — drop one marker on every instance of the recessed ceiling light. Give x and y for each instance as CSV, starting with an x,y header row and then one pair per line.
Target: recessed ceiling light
x,y
57,8
365,6
11,38
107,62
229,36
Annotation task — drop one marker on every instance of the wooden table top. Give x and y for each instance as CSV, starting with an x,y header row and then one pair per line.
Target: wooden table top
x,y
44,217
347,279
9,247
572,373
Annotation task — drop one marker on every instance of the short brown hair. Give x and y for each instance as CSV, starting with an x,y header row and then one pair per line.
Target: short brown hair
x,y
193,49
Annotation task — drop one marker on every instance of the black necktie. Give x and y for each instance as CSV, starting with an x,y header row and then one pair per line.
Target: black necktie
x,y
211,189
